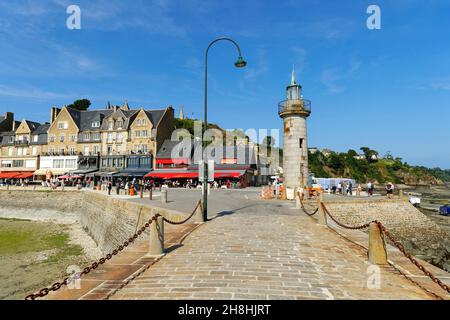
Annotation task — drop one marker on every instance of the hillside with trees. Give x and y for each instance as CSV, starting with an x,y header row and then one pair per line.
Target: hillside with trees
x,y
369,166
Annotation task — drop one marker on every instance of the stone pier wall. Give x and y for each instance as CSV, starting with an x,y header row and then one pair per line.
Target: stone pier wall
x,y
418,233
109,221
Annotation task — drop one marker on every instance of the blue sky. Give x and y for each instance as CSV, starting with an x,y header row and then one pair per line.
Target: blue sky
x,y
388,89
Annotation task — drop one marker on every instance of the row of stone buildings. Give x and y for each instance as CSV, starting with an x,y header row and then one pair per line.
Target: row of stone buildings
x,y
82,142
109,143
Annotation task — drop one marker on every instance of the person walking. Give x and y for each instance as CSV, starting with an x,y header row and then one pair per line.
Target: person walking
x,y
389,190
109,187
350,188
369,189
358,190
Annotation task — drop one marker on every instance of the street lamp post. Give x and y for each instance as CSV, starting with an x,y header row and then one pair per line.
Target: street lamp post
x,y
240,63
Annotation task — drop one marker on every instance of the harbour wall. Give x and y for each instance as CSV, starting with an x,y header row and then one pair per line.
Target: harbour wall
x,y
109,221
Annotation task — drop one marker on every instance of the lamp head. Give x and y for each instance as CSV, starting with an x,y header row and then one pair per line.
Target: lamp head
x,y
240,63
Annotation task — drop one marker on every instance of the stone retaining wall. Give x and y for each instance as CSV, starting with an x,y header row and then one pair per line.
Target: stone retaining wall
x,y
418,233
109,221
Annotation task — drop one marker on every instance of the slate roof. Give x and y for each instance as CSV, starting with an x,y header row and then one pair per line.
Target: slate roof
x,y
88,117
5,137
175,150
155,115
42,129
32,125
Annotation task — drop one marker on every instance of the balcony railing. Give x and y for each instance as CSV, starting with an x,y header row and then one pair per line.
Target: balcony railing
x,y
21,142
305,106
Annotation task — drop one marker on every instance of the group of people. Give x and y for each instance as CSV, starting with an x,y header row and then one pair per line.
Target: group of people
x,y
343,188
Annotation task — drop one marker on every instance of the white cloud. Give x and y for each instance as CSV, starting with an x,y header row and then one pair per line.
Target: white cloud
x,y
333,78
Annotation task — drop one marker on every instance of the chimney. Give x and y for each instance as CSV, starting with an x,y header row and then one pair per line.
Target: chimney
x,y
9,116
53,114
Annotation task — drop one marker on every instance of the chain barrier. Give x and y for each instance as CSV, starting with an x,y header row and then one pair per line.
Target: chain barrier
x,y
302,205
399,246
58,285
187,219
411,258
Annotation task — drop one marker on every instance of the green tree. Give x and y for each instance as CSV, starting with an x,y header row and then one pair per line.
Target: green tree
x,y
369,154
81,105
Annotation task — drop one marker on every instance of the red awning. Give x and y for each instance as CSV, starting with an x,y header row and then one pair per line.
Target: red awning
x,y
193,175
24,175
14,175
172,161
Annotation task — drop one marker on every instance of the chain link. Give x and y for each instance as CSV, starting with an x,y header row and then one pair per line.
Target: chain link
x,y
304,208
185,220
58,285
399,246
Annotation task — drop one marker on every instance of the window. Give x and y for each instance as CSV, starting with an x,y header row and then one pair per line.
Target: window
x,y
96,124
25,151
19,151
138,134
51,150
62,138
71,163
52,138
11,139
119,138
18,163
6,164
86,151
96,149
144,148
144,122
72,138
72,150
138,122
110,125
119,124
109,150
35,138
144,134
110,138
34,152
58,164
61,150
96,136
60,125
301,143
87,136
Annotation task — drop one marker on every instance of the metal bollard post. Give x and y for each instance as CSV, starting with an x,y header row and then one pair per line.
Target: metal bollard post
x,y
377,247
151,193
199,219
156,244
322,219
141,191
164,196
34,187
7,187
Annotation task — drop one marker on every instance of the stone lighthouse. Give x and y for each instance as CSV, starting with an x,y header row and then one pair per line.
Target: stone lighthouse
x,y
294,112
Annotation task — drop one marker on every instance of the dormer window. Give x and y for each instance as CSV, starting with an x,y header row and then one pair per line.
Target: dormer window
x,y
96,124
35,138
119,124
143,122
138,122
110,125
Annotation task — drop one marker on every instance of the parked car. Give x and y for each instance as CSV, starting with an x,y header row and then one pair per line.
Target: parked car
x,y
444,210
415,198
